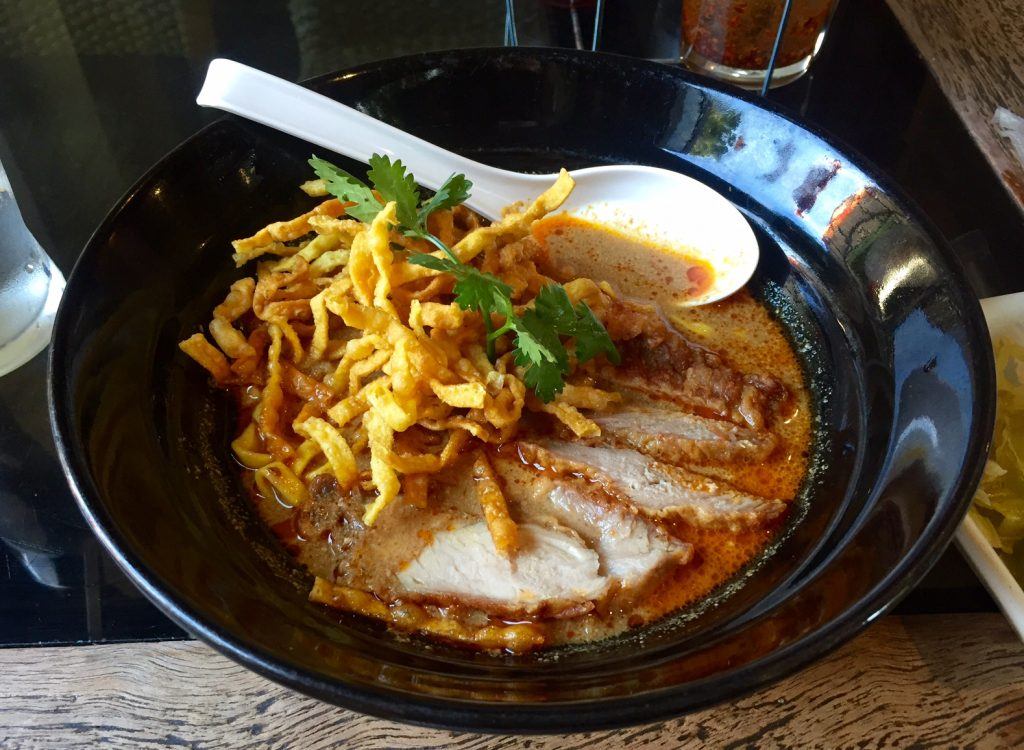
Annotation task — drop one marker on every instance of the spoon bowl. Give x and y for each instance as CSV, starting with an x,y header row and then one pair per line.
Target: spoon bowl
x,y
681,215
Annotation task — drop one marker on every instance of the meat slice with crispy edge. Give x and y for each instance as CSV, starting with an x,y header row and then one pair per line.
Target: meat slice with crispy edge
x,y
670,368
660,362
654,487
578,550
634,549
679,438
444,554
553,572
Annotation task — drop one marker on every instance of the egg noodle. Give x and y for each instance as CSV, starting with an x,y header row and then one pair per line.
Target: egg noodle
x,y
340,347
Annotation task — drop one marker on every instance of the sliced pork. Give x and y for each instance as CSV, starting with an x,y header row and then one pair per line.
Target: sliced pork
x,y
679,438
578,549
633,549
673,369
553,571
654,487
659,361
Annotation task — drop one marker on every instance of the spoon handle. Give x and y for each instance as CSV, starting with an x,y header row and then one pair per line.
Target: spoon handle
x,y
290,108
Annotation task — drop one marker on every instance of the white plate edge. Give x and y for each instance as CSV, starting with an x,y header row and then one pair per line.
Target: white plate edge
x,y
993,573
999,313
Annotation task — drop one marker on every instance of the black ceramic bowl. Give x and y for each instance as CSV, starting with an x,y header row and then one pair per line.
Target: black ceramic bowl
x,y
895,343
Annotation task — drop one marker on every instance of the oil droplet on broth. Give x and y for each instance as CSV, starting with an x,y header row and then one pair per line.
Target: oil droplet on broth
x,y
635,267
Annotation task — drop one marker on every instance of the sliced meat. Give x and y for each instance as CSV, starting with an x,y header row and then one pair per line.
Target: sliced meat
x,y
678,438
553,571
659,361
673,369
329,505
578,549
379,551
633,549
654,487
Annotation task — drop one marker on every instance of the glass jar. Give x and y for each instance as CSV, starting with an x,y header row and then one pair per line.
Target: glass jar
x,y
732,40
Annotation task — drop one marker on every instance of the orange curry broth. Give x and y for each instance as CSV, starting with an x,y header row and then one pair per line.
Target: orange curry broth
x,y
584,248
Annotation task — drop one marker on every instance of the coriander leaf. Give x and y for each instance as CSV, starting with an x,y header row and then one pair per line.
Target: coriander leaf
x,y
503,305
436,243
544,380
454,191
475,290
471,294
347,188
538,338
591,337
542,354
433,263
553,306
394,183
502,292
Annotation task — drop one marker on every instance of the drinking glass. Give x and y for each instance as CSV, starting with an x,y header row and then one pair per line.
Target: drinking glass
x,y
30,286
733,40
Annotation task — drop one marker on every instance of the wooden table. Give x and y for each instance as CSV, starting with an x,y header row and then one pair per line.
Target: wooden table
x,y
976,51
934,680
926,680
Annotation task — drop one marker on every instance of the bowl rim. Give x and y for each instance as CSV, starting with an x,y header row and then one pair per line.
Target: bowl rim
x,y
543,717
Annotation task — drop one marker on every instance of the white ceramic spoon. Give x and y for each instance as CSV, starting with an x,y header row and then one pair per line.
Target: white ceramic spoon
x,y
673,210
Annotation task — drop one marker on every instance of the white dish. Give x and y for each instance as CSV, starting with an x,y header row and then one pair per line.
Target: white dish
x,y
1002,314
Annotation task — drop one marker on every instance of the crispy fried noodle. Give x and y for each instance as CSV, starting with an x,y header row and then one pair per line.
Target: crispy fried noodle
x,y
350,346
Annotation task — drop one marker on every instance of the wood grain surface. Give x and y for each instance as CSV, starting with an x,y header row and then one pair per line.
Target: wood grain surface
x,y
975,48
917,681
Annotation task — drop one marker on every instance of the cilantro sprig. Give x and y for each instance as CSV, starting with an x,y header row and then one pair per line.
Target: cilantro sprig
x,y
539,332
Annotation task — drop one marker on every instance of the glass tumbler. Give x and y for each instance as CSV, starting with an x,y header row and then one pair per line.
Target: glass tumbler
x,y
30,286
732,40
